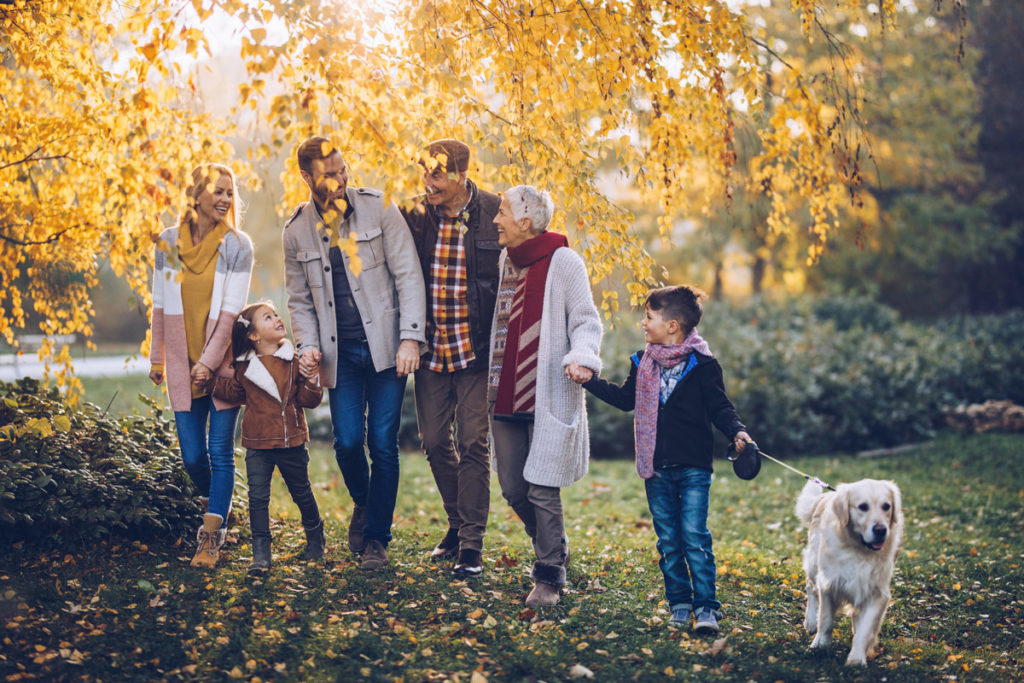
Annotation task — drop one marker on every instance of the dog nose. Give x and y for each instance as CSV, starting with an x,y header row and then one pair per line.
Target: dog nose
x,y
879,530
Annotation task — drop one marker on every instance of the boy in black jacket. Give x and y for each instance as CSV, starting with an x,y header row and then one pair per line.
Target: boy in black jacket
x,y
676,387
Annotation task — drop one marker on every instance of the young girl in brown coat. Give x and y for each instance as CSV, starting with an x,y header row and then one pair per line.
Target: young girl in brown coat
x,y
267,379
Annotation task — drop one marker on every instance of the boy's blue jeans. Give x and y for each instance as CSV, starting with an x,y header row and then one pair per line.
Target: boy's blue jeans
x,y
678,498
366,405
209,456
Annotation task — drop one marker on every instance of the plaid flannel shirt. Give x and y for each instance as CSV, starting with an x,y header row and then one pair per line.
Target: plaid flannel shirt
x,y
452,347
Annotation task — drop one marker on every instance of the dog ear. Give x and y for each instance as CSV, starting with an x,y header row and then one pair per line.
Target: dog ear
x,y
841,506
896,513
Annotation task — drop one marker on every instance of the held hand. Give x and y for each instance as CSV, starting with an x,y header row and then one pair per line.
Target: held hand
x,y
577,373
157,376
309,360
407,360
200,374
741,441
309,369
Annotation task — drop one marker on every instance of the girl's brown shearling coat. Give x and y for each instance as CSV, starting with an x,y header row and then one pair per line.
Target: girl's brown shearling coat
x,y
274,394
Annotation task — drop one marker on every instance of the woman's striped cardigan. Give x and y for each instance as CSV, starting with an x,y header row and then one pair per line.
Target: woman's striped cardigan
x,y
167,338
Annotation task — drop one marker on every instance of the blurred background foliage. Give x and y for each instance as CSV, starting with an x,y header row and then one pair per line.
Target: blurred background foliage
x,y
815,375
936,227
835,374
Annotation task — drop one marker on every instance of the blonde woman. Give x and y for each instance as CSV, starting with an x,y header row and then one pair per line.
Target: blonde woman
x,y
201,273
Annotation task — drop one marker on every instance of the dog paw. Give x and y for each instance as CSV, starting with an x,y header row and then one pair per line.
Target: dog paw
x,y
819,643
811,627
856,660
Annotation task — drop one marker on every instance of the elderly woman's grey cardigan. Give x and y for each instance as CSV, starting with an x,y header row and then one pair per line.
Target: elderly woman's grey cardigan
x,y
570,331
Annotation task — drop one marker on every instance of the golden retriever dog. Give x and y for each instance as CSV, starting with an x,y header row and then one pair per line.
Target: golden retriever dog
x,y
853,536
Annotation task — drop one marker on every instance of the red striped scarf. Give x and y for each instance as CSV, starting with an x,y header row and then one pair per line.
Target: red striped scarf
x,y
517,385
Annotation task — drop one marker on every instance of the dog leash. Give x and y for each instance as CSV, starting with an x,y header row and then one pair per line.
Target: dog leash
x,y
806,476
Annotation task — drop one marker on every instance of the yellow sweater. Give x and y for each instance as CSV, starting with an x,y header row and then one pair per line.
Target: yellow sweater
x,y
200,265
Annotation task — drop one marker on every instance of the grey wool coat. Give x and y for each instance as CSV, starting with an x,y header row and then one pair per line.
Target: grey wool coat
x,y
570,331
388,291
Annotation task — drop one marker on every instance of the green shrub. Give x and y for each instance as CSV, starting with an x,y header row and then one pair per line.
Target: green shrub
x,y
833,374
72,474
815,374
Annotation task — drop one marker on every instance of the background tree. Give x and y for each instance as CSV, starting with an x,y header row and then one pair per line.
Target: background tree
x,y
96,138
102,122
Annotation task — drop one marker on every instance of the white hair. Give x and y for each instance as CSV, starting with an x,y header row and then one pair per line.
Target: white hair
x,y
526,201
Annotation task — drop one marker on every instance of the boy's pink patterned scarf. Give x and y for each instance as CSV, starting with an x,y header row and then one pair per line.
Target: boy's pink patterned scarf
x,y
648,387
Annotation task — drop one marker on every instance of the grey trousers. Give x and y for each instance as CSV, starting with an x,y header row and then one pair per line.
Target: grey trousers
x,y
457,399
539,507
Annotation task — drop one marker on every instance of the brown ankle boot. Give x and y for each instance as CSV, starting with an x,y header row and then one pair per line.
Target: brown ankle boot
x,y
356,544
210,538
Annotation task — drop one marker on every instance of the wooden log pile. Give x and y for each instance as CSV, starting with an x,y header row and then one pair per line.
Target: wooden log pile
x,y
990,416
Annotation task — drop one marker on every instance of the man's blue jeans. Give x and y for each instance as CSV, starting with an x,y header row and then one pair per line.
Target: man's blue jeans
x,y
209,457
366,405
678,498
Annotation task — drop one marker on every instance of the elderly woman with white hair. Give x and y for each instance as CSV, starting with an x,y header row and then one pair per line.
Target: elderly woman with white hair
x,y
544,343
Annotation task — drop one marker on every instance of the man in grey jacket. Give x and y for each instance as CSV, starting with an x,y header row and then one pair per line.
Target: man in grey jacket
x,y
364,324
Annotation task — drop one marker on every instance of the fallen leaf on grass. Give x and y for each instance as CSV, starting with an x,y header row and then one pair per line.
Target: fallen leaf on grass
x,y
527,614
716,647
580,671
506,561
477,677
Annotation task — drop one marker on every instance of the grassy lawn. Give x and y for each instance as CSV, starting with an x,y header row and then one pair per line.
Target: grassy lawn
x,y
128,611
122,393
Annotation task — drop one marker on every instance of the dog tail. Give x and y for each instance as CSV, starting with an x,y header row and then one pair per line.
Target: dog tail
x,y
805,503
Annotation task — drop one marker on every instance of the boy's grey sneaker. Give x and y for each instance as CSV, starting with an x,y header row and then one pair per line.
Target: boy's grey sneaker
x,y
681,617
707,622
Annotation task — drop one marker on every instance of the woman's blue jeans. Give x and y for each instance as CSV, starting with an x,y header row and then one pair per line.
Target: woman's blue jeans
x,y
366,405
678,498
209,456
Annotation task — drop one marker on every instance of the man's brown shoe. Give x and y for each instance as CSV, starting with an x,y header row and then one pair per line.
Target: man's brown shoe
x,y
470,564
448,548
375,556
355,530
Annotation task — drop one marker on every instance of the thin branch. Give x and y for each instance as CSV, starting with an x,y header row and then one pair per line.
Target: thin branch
x,y
590,18
27,243
30,158
770,51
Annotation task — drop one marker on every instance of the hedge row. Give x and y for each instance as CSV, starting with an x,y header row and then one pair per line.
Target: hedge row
x,y
813,375
836,374
69,475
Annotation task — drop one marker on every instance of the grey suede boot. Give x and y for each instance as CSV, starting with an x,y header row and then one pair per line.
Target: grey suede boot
x,y
260,555
314,542
548,581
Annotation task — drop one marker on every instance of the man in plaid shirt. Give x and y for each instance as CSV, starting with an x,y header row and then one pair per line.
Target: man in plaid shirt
x,y
457,241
